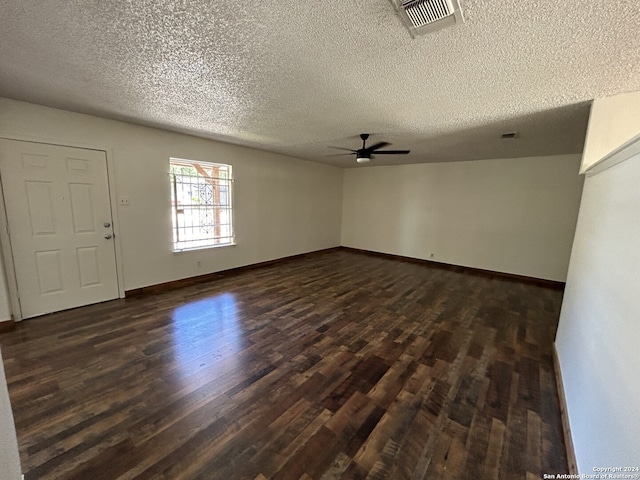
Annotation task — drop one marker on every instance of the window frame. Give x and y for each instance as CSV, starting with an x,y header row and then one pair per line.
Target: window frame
x,y
179,225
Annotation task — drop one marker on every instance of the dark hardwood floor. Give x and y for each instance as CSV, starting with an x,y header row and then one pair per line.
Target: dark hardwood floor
x,y
334,365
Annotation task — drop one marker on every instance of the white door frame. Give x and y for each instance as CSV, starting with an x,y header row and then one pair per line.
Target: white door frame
x,y
5,240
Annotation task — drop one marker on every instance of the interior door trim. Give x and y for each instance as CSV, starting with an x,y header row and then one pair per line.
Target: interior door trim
x,y
5,240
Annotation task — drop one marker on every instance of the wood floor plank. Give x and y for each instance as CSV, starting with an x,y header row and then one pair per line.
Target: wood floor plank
x,y
327,366
491,466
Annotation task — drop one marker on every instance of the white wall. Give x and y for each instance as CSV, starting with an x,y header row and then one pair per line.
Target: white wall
x,y
283,206
9,455
508,215
613,121
598,339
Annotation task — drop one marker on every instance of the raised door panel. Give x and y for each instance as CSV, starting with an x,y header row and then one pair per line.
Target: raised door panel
x,y
39,204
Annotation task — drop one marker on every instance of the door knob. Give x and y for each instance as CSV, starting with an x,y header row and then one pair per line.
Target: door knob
x,y
107,224
107,236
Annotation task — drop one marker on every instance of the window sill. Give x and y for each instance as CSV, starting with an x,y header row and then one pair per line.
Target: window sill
x,y
199,249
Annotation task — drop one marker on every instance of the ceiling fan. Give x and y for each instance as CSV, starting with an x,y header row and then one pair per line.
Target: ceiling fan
x,y
365,154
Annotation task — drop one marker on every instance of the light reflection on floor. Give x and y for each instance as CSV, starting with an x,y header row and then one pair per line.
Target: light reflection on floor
x,y
207,333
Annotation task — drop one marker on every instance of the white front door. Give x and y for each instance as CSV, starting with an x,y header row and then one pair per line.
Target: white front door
x,y
59,216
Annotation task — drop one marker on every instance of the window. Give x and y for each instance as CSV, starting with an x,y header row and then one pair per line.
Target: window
x,y
200,204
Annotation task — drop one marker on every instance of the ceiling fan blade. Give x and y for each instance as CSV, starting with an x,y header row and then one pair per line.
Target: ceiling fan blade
x,y
341,148
371,148
338,154
391,152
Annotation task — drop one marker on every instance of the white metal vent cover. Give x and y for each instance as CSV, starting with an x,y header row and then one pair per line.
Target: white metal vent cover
x,y
425,16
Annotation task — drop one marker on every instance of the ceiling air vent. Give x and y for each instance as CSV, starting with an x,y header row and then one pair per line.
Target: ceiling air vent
x,y
425,16
509,135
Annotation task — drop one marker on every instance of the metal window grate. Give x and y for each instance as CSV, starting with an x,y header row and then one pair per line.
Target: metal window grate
x,y
201,199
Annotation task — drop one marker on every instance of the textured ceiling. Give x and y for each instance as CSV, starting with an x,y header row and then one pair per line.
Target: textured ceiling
x,y
295,77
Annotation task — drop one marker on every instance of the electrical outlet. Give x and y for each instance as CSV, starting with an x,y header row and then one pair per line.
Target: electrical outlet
x,y
124,200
